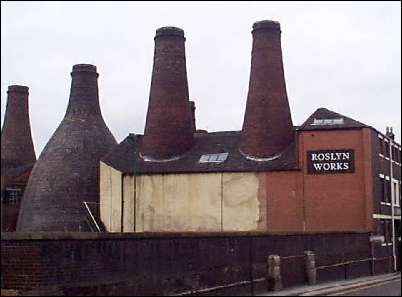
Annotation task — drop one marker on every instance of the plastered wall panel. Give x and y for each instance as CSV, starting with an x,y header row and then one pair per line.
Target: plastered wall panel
x,y
178,202
241,206
128,203
116,191
105,196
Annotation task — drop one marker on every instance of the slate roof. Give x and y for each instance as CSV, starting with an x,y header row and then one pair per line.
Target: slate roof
x,y
326,114
125,158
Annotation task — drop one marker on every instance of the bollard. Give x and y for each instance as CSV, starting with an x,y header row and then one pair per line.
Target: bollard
x,y
274,279
311,271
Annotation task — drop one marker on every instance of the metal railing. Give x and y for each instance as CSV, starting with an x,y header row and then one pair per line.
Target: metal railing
x,y
93,220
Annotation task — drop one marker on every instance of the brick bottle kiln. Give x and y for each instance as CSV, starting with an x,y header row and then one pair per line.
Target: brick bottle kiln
x,y
67,173
17,154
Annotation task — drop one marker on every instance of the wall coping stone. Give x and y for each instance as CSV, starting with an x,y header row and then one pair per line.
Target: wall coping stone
x,y
10,236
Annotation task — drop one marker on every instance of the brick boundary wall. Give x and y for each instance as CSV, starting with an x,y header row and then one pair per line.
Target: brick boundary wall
x,y
169,263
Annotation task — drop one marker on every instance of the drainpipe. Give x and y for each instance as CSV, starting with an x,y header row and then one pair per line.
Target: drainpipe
x,y
392,200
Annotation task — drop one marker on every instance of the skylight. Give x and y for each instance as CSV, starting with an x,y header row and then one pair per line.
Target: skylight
x,y
213,158
327,122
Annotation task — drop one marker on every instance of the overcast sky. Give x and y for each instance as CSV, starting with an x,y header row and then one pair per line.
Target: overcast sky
x,y
343,56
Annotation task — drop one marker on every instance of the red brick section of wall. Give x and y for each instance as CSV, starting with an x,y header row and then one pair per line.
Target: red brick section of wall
x,y
285,209
16,140
67,172
342,201
267,127
162,264
169,129
298,201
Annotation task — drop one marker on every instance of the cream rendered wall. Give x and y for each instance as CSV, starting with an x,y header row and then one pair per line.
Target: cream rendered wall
x,y
182,202
178,202
128,203
242,209
111,197
105,195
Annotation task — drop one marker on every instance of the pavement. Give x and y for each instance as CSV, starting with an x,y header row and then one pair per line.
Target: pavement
x,y
338,287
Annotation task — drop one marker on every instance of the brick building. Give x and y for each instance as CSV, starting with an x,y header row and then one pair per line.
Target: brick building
x,y
330,174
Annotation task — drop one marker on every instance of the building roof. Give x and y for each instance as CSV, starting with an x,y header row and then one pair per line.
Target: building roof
x,y
325,119
126,159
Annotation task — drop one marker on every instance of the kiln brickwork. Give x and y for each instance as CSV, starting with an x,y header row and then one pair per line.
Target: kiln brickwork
x,y
169,125
67,171
16,140
267,127
17,154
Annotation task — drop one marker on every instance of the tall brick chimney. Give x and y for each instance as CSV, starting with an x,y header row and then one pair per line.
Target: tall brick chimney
x,y
267,127
168,130
193,120
67,171
16,140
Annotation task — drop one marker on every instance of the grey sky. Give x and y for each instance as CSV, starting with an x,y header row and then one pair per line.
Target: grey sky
x,y
343,56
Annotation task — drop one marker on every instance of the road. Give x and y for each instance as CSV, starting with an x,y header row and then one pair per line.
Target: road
x,y
392,288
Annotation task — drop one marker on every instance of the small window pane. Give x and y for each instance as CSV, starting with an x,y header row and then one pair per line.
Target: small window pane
x,y
213,158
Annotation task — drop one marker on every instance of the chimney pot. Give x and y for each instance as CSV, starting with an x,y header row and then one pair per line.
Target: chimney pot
x,y
267,24
169,31
84,67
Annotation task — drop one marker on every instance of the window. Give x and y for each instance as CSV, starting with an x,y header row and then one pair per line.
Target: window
x,y
386,149
386,231
12,196
214,158
396,193
399,194
383,191
388,186
396,155
381,147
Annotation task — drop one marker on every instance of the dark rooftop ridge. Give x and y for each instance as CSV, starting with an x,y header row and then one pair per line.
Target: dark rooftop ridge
x,y
125,157
326,114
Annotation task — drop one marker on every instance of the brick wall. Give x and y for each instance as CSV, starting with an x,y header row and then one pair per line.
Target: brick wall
x,y
149,264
